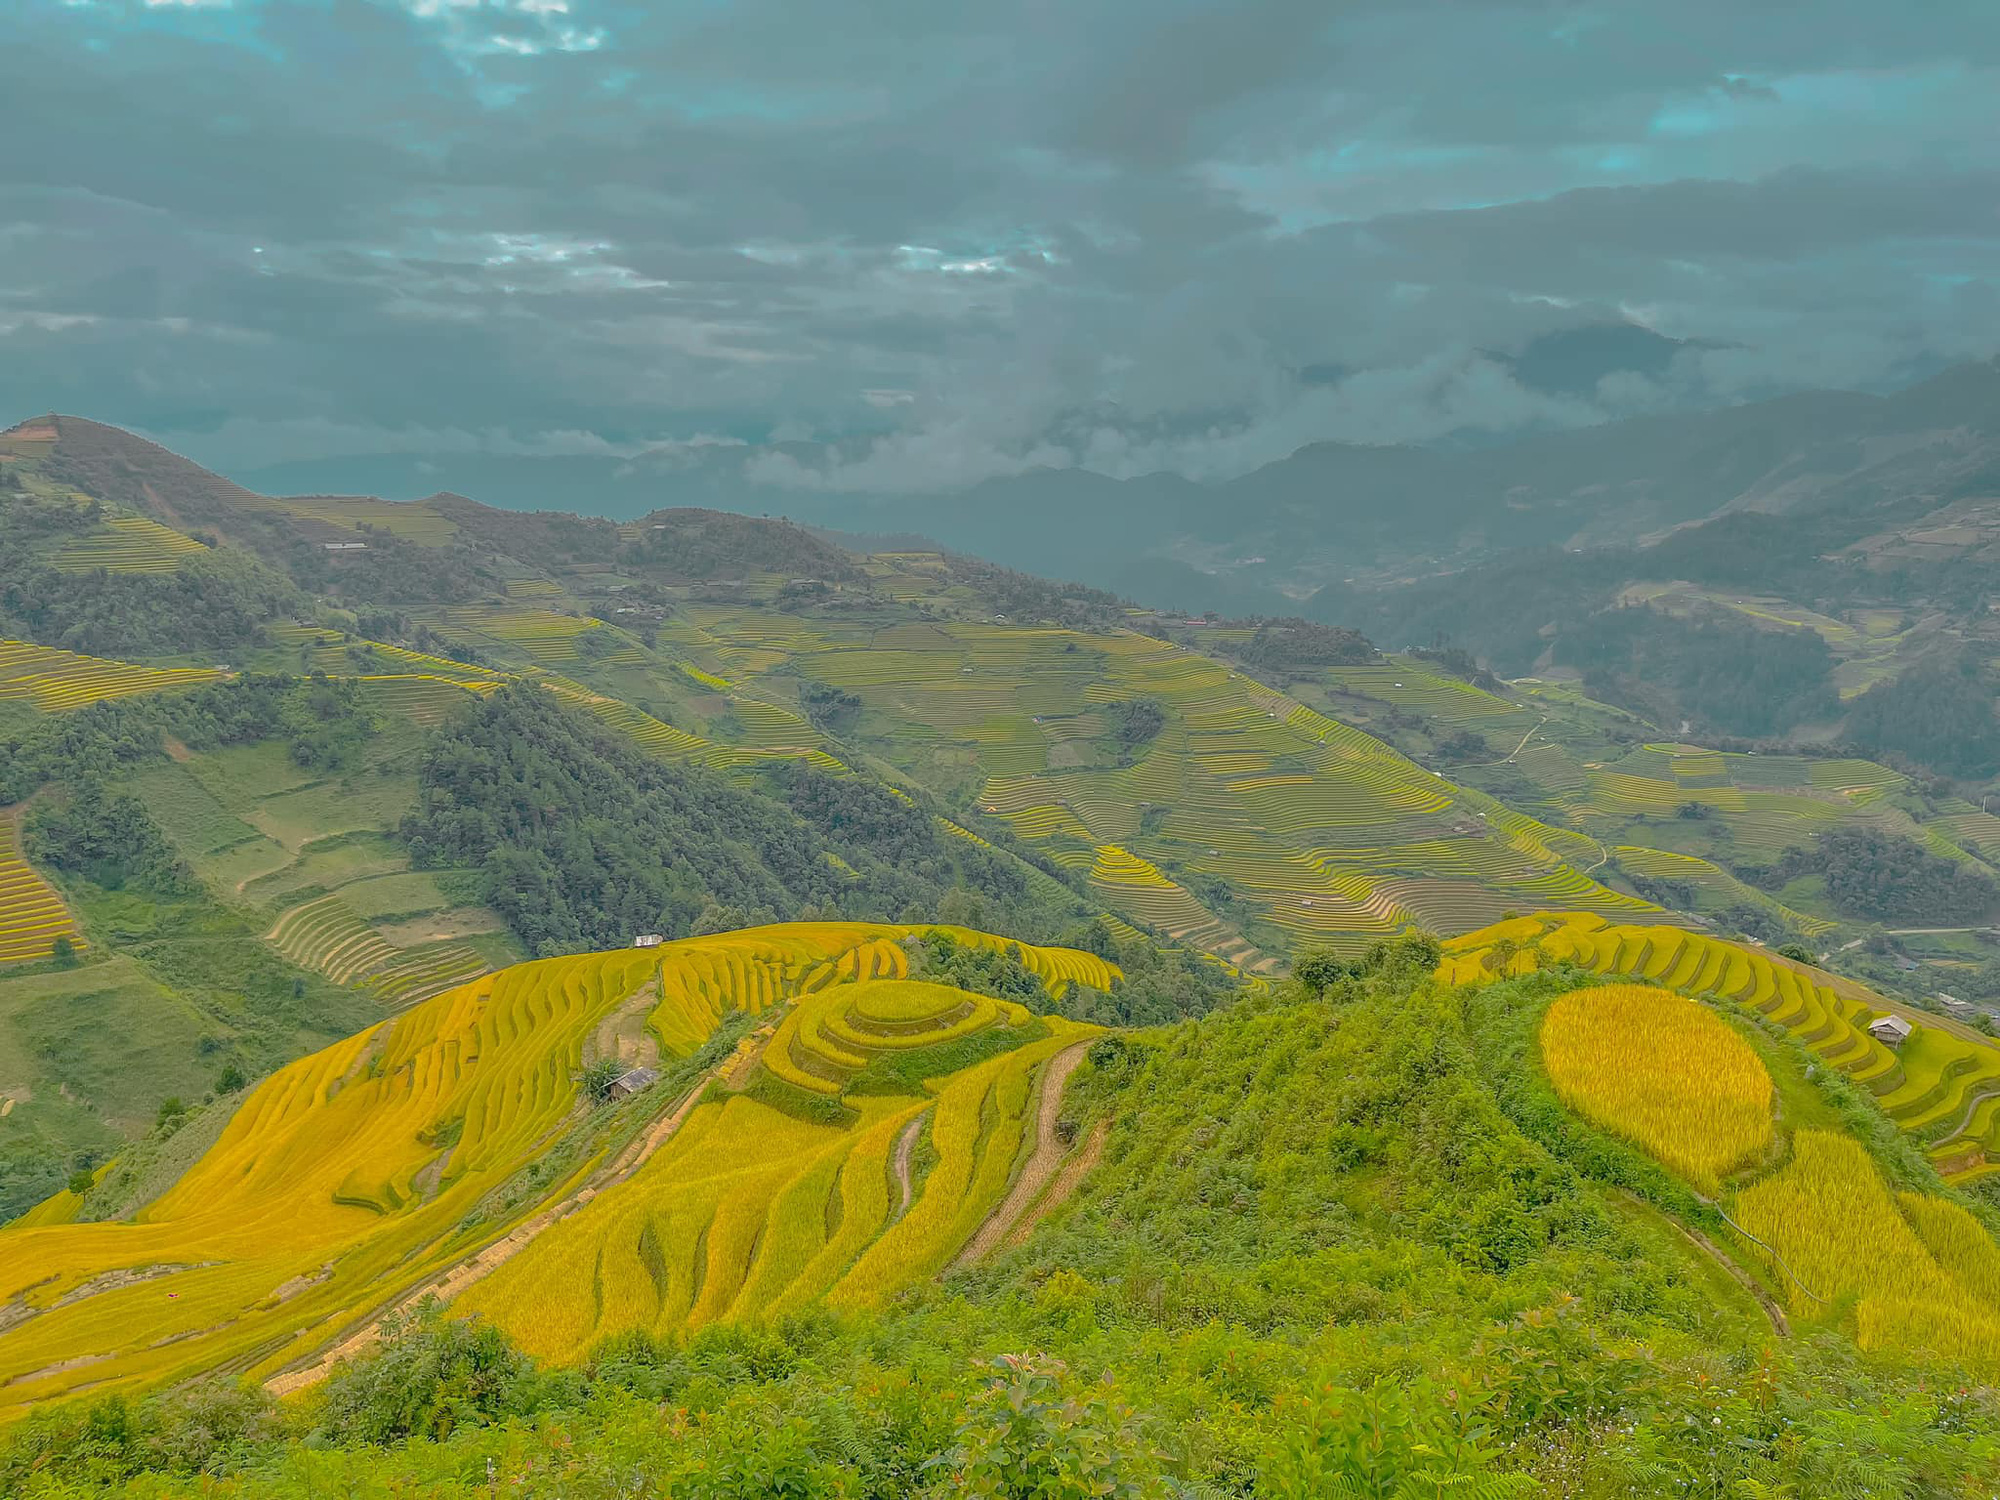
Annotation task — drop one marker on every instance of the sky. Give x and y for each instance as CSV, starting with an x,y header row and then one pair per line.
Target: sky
x,y
907,245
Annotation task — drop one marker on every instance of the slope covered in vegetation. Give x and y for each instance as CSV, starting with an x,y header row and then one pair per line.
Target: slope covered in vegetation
x,y
454,1135
1350,1245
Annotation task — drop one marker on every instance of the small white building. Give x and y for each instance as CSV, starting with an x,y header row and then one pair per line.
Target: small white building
x,y
648,940
1891,1031
345,546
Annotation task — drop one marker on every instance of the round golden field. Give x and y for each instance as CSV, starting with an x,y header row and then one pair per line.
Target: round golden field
x,y
1663,1072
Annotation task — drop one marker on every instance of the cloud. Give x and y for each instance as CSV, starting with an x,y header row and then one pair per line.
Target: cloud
x,y
950,242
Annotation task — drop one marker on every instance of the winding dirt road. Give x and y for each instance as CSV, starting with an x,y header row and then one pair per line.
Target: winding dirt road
x,y
449,1283
1050,1149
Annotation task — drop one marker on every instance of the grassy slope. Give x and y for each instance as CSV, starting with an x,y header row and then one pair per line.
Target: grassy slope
x,y
1320,1235
392,1155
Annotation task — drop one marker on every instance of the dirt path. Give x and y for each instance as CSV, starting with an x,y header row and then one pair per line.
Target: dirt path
x,y
448,1284
1743,1278
1074,1170
1049,1152
1722,1258
906,1148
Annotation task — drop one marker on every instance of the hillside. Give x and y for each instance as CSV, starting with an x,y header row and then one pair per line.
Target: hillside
x,y
1040,754
455,1146
1025,708
1281,1198
1029,976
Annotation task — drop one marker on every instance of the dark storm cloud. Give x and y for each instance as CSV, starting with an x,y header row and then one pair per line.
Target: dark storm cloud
x,y
961,240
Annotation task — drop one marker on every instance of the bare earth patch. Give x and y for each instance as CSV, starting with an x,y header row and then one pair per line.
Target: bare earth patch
x,y
1050,1149
459,922
906,1148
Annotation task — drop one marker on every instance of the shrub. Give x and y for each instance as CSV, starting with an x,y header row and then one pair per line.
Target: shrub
x,y
1027,1435
432,1375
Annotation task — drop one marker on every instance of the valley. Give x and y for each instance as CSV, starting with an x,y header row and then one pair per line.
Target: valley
x,y
623,945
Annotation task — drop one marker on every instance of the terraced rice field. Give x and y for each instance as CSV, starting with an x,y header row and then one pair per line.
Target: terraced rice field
x,y
1767,803
412,521
32,915
423,700
1327,834
55,681
129,544
1920,1269
325,934
751,1211
550,639
356,1176
1409,686
1942,1085
1662,1071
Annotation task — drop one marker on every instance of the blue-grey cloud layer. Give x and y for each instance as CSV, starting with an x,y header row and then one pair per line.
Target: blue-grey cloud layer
x,y
960,239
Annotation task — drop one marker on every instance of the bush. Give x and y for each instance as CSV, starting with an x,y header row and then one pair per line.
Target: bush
x,y
1027,1436
433,1374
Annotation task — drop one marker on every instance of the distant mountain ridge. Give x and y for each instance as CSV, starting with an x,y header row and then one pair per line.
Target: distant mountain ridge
x,y
1329,512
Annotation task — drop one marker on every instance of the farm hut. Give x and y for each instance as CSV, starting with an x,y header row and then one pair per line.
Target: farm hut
x,y
1891,1031
648,940
630,1084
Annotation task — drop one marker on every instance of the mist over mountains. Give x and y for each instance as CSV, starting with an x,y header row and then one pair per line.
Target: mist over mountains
x,y
1330,513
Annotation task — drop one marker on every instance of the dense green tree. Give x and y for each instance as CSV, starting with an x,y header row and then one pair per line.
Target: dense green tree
x,y
109,839
583,840
1943,714
1886,877
216,602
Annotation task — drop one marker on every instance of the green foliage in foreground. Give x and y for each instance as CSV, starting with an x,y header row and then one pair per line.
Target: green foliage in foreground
x,y
1320,1258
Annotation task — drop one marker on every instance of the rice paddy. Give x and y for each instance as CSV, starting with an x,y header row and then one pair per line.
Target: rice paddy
x,y
1319,832
32,915
751,1212
1918,1269
1662,1071
56,681
547,638
371,1168
1942,1084
129,544
1908,1275
411,521
326,934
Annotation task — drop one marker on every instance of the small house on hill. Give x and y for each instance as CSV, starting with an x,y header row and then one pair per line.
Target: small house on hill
x,y
648,940
630,1083
1891,1031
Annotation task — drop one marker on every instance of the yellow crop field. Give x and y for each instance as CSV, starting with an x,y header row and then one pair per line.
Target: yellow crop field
x,y
1662,1071
830,1035
55,680
749,1211
1957,1242
1944,1081
1839,1232
365,1172
1828,1013
129,544
32,915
